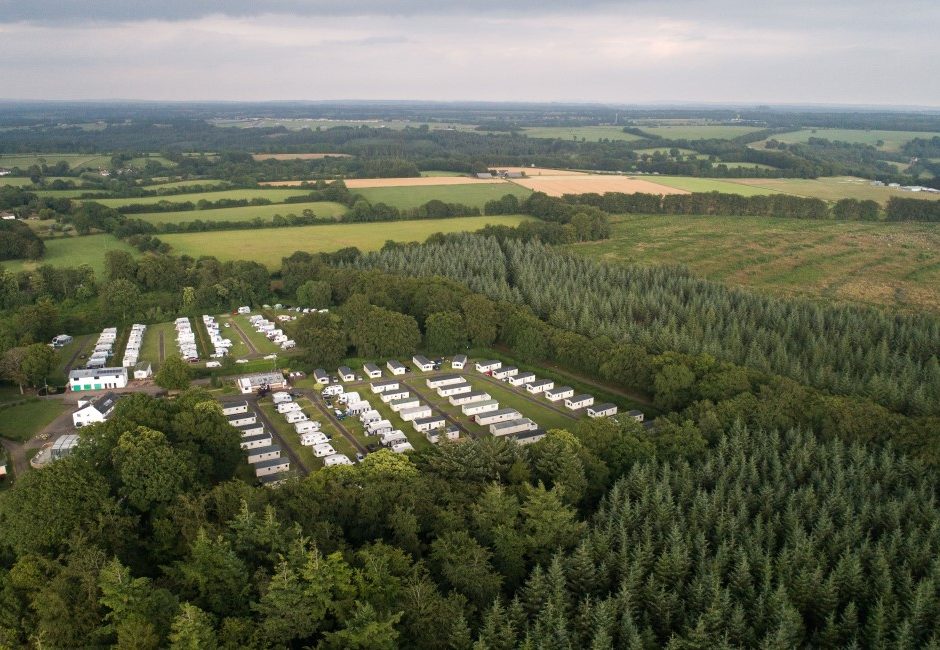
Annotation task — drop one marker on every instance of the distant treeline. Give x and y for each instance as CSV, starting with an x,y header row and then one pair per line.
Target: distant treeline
x,y
18,241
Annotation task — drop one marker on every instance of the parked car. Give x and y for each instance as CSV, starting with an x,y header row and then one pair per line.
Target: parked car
x,y
372,446
360,456
338,413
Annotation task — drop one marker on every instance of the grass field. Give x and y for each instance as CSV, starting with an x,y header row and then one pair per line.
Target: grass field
x,y
246,213
891,140
474,195
893,265
76,193
276,196
20,181
831,188
140,163
260,341
150,349
269,245
75,160
592,133
23,421
694,184
435,173
75,251
189,183
698,131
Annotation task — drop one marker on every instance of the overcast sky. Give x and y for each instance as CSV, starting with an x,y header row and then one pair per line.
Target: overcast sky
x,y
797,51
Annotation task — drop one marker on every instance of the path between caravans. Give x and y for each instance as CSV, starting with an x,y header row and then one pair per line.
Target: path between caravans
x,y
317,400
294,458
251,346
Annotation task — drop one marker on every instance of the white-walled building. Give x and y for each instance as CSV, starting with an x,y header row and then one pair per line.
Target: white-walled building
x,y
346,373
383,386
415,412
256,441
396,367
313,438
97,379
579,402
511,427
489,365
422,363
500,415
404,403
482,406
459,362
282,397
539,386
505,372
450,432
307,426
94,410
261,381
444,380
426,424
398,393
273,466
522,378
372,371
558,394
295,416
602,410
454,389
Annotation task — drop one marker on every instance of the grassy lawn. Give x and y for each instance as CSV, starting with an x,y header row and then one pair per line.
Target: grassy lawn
x,y
894,265
75,251
82,344
269,245
245,213
473,195
21,181
150,349
890,140
23,421
694,184
276,196
593,133
260,341
239,349
417,440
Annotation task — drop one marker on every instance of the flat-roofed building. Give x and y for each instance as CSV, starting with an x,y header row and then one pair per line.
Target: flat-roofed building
x,y
578,402
467,398
483,406
499,415
511,427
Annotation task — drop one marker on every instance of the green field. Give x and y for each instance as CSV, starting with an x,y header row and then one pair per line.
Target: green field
x,y
269,245
474,195
189,183
275,196
140,163
259,340
75,251
150,350
592,133
75,160
23,421
436,173
894,265
20,181
666,151
890,140
830,188
698,131
695,184
246,213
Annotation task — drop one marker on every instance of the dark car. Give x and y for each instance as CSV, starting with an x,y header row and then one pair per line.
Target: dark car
x,y
372,446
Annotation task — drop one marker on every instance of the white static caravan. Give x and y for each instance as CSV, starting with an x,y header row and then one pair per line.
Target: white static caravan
x,y
253,442
261,454
402,447
450,432
250,429
444,380
370,416
488,366
356,408
558,394
579,402
635,415
459,362
522,379
392,395
349,398
422,363
483,406
426,424
510,427
467,398
346,373
404,403
323,449
273,466
396,367
393,438
602,410
415,412
295,416
332,390
372,371
378,428
454,389
307,426
386,385
539,386
501,415
505,372
527,437
288,407
313,438
234,408
336,459
242,418
321,376
282,397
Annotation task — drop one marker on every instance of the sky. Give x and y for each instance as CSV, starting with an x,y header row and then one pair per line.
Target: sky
x,y
627,51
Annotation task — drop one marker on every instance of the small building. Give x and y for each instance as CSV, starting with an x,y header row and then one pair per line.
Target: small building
x,y
282,397
63,446
404,403
238,419
372,371
272,466
378,428
635,415
250,429
488,366
97,379
256,441
295,416
396,367
558,394
261,381
349,398
382,386
244,310
370,416
390,438
346,374
415,412
426,424
444,380
500,415
505,372
511,427
313,438
402,447
422,363
94,410
483,406
61,340
336,459
602,410
288,407
459,362
454,389
143,370
522,379
332,390
398,393
578,402
307,426
321,376
450,432
539,386
355,408
527,437
323,449
468,398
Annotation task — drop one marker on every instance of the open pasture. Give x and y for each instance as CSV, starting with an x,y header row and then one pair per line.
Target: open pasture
x,y
698,131
591,133
473,195
895,265
187,183
831,188
696,184
269,245
884,140
274,195
74,160
75,251
594,183
245,213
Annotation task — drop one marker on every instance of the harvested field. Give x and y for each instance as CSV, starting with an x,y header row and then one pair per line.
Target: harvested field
x,y
599,183
298,156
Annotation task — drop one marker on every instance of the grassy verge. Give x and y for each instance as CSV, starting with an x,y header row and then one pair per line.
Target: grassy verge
x,y
23,421
259,340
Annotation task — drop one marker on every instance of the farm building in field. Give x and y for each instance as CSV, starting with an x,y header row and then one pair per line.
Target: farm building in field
x,y
234,408
422,363
378,428
321,376
426,424
558,394
528,437
467,398
602,410
238,419
489,365
482,406
539,386
505,372
273,466
458,362
415,412
261,454
444,380
500,415
295,416
256,441
336,459
522,379
398,393
261,381
143,370
94,410
307,426
313,438
372,371
97,379
578,402
396,367
510,427
288,407
636,415
402,447
454,389
382,386
404,403
450,432
250,429
346,373
281,397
